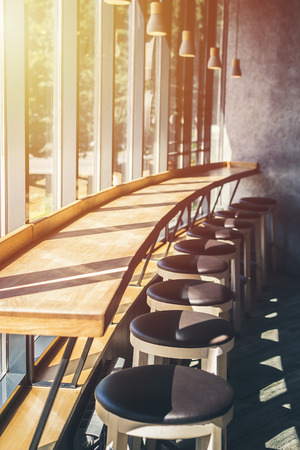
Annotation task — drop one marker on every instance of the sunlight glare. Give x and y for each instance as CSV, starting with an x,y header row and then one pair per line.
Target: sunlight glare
x,y
271,335
272,391
273,362
287,406
272,315
289,435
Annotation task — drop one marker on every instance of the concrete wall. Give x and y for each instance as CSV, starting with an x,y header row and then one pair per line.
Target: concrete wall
x,y
262,114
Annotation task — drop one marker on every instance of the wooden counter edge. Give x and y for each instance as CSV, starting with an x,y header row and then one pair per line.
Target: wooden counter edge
x,y
13,243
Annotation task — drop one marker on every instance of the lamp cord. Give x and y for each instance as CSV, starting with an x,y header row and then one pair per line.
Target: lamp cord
x,y
237,27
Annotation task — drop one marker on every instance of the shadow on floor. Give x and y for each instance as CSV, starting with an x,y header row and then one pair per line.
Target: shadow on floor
x,y
264,370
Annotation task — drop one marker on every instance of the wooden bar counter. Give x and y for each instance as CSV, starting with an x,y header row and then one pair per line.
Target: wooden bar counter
x,y
65,274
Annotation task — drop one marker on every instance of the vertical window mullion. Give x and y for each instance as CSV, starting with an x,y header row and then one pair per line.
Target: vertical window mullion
x,y
88,96
68,101
97,96
164,106
136,79
57,105
2,128
14,152
107,39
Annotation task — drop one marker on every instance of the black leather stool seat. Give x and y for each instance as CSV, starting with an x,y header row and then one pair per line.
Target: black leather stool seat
x,y
247,207
187,329
209,247
238,214
193,264
207,232
190,292
228,222
264,201
165,394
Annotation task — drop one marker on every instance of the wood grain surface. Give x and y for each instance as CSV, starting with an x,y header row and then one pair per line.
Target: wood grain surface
x,y
70,283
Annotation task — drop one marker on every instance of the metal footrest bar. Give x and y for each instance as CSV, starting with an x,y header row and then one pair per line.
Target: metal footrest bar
x,y
81,361
52,394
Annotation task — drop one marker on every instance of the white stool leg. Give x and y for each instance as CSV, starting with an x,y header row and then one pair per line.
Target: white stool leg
x,y
210,442
222,365
247,271
115,440
139,358
258,258
235,286
273,236
216,363
216,441
198,443
263,250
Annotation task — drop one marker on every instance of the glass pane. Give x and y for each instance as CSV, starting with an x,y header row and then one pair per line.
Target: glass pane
x,y
216,101
198,85
175,102
40,106
2,115
86,98
121,158
151,104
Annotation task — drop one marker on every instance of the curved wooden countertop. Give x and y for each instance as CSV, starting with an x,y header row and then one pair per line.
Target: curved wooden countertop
x,y
70,282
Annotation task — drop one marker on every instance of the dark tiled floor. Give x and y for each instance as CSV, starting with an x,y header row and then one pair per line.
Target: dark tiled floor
x,y
264,370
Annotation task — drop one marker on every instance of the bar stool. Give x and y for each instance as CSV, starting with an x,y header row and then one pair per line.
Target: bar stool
x,y
227,252
195,267
191,295
164,402
186,335
271,204
262,211
245,228
255,219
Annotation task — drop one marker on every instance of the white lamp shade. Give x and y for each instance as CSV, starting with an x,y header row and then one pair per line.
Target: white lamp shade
x,y
118,2
156,25
236,69
187,48
214,61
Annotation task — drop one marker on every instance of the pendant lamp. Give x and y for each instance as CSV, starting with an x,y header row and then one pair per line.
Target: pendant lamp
x,y
156,24
236,68
187,48
214,61
118,2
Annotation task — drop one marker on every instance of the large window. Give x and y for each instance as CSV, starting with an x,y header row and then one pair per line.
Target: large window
x,y
151,103
216,121
121,151
175,99
2,127
198,98
108,53
40,107
86,98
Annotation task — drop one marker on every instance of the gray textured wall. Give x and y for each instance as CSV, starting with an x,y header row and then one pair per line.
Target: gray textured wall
x,y
262,114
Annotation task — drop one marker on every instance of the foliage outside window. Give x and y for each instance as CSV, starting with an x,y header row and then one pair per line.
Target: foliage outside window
x,y
86,86
198,85
151,103
216,92
175,91
121,158
40,106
